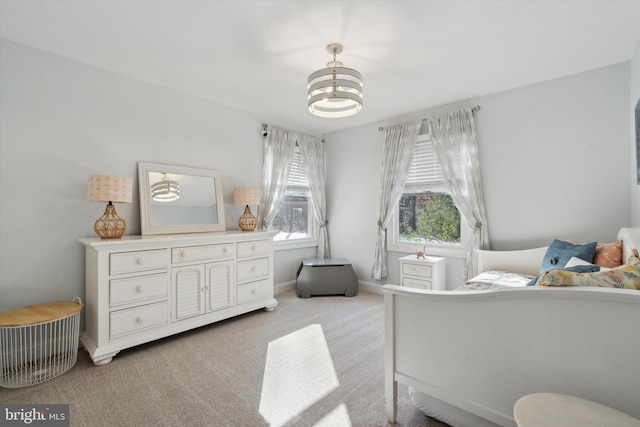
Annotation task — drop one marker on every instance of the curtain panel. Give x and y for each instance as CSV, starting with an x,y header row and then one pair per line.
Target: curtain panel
x,y
397,151
279,146
455,143
312,152
279,149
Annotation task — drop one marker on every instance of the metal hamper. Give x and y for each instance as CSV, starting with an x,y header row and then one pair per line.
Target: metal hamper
x,y
38,343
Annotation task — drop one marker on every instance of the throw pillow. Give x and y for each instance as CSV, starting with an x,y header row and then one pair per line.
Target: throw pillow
x,y
560,252
608,254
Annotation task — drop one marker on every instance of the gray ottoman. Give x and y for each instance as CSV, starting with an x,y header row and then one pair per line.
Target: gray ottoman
x,y
333,276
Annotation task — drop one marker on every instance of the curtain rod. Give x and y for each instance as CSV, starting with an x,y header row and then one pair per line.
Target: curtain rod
x,y
265,132
474,109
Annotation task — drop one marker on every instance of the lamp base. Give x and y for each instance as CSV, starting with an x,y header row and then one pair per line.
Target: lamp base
x,y
247,221
110,226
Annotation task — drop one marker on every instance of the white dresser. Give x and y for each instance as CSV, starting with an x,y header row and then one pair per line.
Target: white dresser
x,y
142,288
423,273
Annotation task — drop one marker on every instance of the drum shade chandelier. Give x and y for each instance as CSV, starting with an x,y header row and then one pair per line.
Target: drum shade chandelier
x,y
165,190
335,91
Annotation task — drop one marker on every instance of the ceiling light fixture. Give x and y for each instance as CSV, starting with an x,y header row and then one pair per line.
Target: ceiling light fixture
x,y
165,190
334,91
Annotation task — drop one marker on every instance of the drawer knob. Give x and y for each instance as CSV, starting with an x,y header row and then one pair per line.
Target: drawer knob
x,y
253,268
182,254
139,261
253,248
253,291
139,289
139,320
224,250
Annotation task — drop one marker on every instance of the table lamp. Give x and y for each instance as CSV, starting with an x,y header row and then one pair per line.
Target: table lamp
x,y
112,189
246,196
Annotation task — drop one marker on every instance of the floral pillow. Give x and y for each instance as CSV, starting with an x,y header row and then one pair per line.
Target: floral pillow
x,y
625,276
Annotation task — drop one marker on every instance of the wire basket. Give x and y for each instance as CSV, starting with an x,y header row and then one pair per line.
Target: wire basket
x,y
43,347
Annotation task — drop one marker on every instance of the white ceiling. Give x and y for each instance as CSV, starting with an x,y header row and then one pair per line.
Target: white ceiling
x,y
257,55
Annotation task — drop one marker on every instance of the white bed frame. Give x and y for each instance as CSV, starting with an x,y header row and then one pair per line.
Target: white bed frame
x,y
472,354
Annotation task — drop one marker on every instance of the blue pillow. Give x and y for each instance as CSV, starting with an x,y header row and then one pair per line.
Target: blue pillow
x,y
575,269
560,252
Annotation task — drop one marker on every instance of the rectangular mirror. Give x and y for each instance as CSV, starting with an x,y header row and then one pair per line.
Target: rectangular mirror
x,y
177,199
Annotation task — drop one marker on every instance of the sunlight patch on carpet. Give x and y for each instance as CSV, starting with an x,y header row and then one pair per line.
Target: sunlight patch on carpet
x,y
298,373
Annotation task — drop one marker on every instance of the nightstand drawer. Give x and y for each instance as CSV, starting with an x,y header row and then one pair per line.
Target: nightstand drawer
x,y
202,253
126,322
252,269
133,262
254,290
254,248
416,283
138,289
422,270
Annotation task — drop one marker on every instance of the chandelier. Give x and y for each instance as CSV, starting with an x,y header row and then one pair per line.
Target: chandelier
x,y
165,190
334,91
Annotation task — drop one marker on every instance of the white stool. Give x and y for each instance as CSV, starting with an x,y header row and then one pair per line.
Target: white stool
x,y
552,409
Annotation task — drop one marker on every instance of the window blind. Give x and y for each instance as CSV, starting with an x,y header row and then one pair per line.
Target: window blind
x,y
424,172
297,176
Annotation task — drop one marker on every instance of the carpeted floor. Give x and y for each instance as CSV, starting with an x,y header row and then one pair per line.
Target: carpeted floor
x,y
311,362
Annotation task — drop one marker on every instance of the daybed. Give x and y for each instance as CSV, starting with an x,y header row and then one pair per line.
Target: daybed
x,y
468,356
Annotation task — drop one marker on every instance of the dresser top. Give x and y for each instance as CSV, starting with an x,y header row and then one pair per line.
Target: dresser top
x,y
178,239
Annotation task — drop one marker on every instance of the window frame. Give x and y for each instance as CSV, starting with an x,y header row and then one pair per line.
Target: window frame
x,y
394,244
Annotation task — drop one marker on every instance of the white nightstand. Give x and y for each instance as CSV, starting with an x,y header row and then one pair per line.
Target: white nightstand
x,y
423,273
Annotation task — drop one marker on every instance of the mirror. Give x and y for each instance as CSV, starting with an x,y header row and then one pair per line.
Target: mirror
x,y
177,199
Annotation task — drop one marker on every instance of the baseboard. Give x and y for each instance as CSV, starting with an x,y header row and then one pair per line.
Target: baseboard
x,y
373,288
284,287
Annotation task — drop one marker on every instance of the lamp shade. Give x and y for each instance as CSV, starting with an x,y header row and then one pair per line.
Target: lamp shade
x,y
106,188
246,196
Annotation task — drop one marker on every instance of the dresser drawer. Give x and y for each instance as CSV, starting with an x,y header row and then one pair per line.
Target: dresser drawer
x,y
254,290
252,269
201,253
133,320
254,248
139,289
132,262
416,283
422,270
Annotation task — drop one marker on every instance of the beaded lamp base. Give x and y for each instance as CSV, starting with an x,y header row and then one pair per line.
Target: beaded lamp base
x,y
247,221
110,225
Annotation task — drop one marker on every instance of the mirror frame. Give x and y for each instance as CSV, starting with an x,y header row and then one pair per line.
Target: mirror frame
x,y
145,199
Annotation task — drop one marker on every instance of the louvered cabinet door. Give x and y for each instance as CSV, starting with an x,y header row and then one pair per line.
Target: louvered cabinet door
x,y
219,289
188,287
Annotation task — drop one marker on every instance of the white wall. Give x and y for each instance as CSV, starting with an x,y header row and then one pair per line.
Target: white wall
x,y
553,164
554,160
635,98
62,121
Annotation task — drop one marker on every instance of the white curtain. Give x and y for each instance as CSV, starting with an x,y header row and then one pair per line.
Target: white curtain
x,y
455,144
397,151
312,152
279,146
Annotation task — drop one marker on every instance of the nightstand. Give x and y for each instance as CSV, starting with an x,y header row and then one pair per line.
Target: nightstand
x,y
423,273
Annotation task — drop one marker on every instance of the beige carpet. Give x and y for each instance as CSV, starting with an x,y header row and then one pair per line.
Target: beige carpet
x,y
311,362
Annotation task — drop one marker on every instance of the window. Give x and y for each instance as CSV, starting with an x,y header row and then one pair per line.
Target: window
x,y
295,221
426,214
